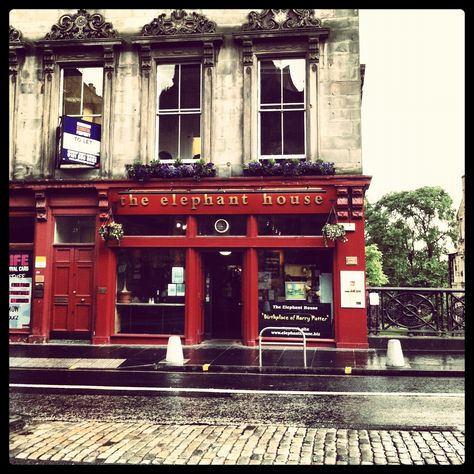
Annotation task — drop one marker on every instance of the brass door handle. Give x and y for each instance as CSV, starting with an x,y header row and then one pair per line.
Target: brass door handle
x,y
82,300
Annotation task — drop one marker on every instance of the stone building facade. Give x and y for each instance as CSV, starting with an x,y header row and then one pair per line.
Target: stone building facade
x,y
199,131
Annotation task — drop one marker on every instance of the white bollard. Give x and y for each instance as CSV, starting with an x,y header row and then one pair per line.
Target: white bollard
x,y
394,354
174,351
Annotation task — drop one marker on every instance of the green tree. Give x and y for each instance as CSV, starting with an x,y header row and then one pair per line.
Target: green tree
x,y
412,229
373,266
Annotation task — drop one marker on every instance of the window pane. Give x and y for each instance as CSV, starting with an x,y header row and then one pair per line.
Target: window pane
x,y
73,229
190,86
153,225
150,291
72,91
270,83
168,136
301,225
82,92
22,230
190,145
293,133
270,133
294,72
92,95
168,86
215,225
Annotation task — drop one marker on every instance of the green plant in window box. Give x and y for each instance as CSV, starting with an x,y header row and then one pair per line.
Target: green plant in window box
x,y
334,232
112,231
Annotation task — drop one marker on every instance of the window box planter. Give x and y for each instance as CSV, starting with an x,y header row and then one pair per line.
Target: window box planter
x,y
292,167
178,169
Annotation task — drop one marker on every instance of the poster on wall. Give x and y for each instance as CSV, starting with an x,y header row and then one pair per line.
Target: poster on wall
x,y
314,319
20,285
352,289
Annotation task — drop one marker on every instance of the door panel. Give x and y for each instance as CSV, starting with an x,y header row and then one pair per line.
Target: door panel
x,y
73,276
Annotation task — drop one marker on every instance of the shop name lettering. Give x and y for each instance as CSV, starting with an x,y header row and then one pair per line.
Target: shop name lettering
x,y
195,202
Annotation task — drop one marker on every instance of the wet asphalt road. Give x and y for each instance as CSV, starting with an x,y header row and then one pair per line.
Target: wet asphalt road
x,y
311,401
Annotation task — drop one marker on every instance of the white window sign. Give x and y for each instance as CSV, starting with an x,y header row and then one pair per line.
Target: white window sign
x,y
177,274
352,289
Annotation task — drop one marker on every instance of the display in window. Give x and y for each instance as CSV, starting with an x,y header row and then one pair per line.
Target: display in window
x,y
150,291
295,290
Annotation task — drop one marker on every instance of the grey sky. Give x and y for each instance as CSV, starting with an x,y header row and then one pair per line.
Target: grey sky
x,y
413,100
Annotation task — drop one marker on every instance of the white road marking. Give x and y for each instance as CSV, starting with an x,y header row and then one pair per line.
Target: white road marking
x,y
233,390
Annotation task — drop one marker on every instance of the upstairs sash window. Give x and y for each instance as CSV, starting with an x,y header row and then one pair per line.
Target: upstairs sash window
x,y
82,93
178,120
282,108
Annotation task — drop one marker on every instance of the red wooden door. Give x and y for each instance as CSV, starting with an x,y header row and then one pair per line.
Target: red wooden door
x,y
73,276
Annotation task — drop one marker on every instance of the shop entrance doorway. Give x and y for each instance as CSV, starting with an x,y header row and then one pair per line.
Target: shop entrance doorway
x,y
222,295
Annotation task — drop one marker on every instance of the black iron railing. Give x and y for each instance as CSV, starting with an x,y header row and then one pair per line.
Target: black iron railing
x,y
415,311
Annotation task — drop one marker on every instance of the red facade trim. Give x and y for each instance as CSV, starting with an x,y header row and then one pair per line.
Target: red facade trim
x,y
269,195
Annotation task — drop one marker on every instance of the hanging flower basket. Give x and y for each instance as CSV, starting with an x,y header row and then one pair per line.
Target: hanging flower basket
x,y
334,232
111,232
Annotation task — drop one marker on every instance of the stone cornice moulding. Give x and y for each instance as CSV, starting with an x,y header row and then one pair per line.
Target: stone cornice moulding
x,y
275,23
81,30
77,32
179,23
16,47
180,28
289,24
81,26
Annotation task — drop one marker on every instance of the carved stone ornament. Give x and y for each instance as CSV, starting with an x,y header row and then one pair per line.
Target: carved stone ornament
x,y
179,23
40,205
82,25
15,35
290,19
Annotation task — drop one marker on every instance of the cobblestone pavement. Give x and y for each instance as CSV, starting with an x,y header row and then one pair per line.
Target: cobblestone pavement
x,y
99,442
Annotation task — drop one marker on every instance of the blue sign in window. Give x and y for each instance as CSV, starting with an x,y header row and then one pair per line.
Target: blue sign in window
x,y
80,142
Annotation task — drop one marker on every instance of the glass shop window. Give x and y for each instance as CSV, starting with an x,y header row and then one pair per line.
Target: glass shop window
x,y
22,230
74,230
222,225
82,93
178,119
295,275
153,225
150,291
302,224
282,108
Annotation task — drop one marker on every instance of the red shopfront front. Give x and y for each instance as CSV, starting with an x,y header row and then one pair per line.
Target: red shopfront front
x,y
225,258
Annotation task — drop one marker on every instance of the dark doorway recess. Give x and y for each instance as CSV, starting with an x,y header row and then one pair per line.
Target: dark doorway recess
x,y
222,295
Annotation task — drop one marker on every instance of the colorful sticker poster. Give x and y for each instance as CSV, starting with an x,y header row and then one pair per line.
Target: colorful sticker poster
x,y
352,289
19,301
177,274
171,289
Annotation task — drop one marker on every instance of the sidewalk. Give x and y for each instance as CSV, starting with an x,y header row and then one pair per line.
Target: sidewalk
x,y
230,357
